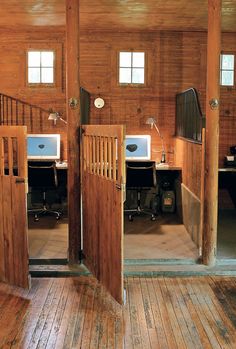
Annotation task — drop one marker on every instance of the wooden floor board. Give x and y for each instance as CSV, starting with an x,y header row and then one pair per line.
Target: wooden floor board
x,y
160,313
174,316
190,335
193,313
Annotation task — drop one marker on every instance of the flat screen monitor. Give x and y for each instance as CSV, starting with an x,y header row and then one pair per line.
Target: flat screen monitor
x,y
138,147
43,146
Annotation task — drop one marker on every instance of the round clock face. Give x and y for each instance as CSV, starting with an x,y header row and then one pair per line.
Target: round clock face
x,y
99,102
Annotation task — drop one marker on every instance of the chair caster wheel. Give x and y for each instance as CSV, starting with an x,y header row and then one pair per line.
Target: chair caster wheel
x,y
153,218
58,217
130,218
36,218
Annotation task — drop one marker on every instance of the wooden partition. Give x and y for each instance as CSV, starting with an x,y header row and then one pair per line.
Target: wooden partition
x,y
189,156
102,200
13,215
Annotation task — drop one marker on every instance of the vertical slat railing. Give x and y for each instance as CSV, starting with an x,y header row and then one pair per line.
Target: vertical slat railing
x,y
13,111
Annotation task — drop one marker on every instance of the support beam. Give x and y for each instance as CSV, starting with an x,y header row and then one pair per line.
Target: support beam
x,y
73,118
212,133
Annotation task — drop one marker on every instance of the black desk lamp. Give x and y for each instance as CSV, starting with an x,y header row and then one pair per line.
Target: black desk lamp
x,y
152,122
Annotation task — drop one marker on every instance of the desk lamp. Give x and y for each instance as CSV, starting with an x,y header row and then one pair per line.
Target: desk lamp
x,y
55,116
152,122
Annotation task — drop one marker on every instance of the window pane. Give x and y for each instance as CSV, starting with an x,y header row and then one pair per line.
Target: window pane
x,y
125,76
125,59
34,75
138,59
227,62
33,59
138,76
47,59
47,75
227,78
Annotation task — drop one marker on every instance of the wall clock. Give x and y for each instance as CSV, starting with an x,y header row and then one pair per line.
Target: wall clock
x,y
99,102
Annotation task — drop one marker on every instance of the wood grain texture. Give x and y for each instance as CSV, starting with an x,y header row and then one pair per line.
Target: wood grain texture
x,y
102,201
188,156
197,312
73,132
13,226
176,61
130,15
212,133
14,45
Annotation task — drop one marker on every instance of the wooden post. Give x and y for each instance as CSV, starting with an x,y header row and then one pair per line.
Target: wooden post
x,y
212,133
73,118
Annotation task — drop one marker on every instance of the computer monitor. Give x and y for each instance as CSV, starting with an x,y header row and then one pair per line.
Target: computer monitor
x,y
43,146
138,147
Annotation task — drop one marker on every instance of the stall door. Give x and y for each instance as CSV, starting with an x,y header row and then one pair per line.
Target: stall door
x,y
13,220
102,204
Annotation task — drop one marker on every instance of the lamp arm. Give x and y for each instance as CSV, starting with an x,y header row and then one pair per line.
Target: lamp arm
x,y
162,141
63,120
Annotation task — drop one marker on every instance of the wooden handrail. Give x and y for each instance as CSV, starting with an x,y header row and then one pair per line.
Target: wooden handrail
x,y
14,111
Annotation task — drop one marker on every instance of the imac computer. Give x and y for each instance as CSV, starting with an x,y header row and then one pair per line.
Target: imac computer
x,y
43,147
138,147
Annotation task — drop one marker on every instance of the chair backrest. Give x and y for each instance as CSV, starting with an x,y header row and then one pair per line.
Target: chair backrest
x,y
42,174
140,174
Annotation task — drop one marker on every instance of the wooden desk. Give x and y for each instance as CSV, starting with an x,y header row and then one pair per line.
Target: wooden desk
x,y
167,167
227,169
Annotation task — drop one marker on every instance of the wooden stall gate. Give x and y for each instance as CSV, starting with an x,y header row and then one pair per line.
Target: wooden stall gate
x,y
103,182
13,219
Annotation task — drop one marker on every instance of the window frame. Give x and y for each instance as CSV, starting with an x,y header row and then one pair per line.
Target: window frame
x,y
231,70
41,84
132,84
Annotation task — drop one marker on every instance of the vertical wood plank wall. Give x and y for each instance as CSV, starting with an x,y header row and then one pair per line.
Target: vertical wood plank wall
x,y
176,61
189,157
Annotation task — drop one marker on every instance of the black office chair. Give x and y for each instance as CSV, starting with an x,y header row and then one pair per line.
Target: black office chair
x,y
42,176
140,175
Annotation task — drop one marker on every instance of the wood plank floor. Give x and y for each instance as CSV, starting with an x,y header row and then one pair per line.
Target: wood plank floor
x,y
160,312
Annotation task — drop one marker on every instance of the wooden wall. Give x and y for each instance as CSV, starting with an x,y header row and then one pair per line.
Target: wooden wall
x,y
176,61
13,48
189,157
173,65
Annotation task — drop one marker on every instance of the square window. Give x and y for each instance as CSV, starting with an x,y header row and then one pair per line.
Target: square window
x,y
47,59
34,75
33,59
227,70
125,59
138,59
47,75
40,67
131,67
227,78
138,76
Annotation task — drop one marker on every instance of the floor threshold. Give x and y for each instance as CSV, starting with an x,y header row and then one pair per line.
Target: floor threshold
x,y
161,261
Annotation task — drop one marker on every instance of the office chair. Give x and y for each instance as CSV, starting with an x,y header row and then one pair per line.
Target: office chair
x,y
140,175
42,176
